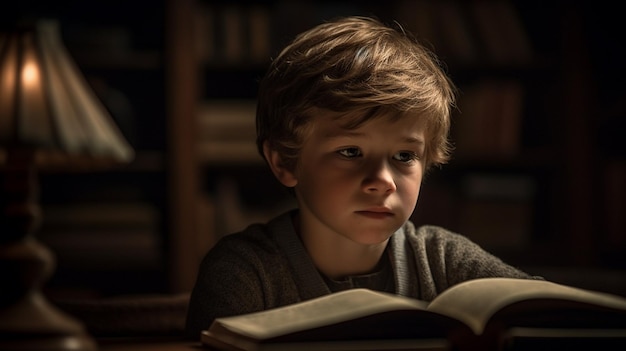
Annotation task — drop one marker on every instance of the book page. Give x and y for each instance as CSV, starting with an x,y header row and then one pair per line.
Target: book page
x,y
475,301
329,309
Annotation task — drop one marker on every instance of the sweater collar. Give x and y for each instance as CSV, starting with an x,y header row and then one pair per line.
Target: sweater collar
x,y
400,257
308,279
310,282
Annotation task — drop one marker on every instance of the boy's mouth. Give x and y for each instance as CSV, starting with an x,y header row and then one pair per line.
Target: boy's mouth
x,y
376,213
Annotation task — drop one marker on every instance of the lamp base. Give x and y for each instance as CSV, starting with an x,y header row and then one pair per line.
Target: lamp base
x,y
28,322
34,324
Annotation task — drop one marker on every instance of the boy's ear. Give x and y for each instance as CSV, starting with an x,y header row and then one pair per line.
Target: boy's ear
x,y
275,161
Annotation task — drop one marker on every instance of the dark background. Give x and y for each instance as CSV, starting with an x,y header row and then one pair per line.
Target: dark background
x,y
136,229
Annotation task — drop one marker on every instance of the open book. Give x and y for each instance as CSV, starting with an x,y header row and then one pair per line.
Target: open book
x,y
481,314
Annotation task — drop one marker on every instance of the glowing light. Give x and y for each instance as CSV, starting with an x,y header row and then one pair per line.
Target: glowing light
x,y
30,74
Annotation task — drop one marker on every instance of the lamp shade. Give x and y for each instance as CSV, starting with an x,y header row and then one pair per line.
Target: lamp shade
x,y
46,103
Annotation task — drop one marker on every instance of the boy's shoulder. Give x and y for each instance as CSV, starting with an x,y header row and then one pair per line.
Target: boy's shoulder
x,y
433,235
257,238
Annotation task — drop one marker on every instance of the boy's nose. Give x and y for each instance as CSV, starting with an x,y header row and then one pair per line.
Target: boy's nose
x,y
379,179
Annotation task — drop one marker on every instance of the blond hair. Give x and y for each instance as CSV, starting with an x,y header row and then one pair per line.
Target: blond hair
x,y
353,64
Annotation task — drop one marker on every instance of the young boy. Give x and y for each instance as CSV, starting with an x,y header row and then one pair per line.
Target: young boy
x,y
350,116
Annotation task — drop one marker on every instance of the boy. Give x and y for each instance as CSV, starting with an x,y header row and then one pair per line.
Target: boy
x,y
350,116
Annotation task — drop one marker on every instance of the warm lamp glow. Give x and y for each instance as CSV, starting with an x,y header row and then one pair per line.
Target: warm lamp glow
x,y
30,75
47,105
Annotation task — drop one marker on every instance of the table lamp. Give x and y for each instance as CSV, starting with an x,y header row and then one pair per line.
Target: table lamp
x,y
49,118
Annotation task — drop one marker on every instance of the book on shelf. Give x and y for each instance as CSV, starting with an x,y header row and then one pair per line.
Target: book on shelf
x,y
232,34
490,119
469,33
501,31
226,131
493,204
114,235
442,26
480,314
456,43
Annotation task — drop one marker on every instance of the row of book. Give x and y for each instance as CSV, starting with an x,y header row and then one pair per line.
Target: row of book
x,y
464,33
478,32
226,131
103,247
100,234
488,122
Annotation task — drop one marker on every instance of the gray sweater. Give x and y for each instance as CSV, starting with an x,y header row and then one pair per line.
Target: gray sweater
x,y
267,266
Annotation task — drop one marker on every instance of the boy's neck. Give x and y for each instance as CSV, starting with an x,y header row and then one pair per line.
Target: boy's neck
x,y
337,257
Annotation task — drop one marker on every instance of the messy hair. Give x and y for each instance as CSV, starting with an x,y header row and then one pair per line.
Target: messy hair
x,y
353,66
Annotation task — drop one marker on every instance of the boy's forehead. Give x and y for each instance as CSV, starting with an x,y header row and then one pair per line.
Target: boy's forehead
x,y
330,124
353,118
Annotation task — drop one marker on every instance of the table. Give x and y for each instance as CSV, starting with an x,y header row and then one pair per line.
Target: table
x,y
148,344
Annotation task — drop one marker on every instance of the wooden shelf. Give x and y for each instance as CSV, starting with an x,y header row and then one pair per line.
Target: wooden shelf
x,y
131,60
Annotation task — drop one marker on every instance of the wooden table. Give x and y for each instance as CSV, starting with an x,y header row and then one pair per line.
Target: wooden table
x,y
148,344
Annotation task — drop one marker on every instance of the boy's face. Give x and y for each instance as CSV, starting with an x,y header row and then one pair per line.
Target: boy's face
x,y
360,184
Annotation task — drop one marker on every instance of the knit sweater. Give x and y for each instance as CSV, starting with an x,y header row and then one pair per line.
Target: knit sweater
x,y
267,266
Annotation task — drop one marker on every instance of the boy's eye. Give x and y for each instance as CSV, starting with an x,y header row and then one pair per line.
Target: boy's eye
x,y
350,152
405,156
